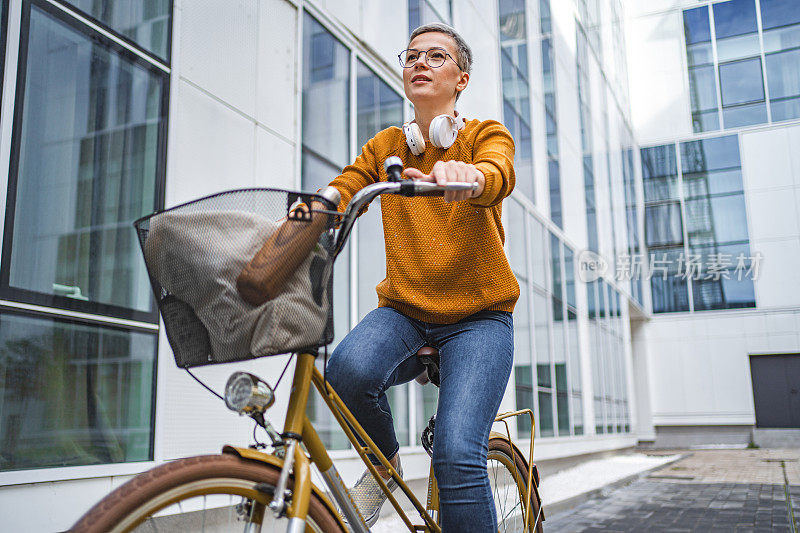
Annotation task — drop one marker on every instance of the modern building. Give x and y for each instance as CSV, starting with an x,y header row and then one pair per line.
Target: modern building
x,y
654,228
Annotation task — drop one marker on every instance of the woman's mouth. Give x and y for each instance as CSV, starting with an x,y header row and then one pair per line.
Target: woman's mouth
x,y
420,78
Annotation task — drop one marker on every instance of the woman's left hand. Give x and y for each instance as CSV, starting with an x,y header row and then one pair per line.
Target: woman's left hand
x,y
444,172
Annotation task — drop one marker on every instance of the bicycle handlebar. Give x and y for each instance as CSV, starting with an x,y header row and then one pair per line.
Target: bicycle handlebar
x,y
264,276
404,188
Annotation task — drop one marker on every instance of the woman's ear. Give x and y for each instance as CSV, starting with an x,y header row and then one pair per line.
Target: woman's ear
x,y
462,82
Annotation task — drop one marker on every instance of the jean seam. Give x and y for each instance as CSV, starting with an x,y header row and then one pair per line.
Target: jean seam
x,y
383,383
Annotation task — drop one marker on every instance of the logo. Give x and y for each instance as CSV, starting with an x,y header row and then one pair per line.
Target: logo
x,y
590,266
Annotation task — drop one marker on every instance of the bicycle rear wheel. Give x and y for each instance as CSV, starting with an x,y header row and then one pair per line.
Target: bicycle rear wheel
x,y
508,477
205,493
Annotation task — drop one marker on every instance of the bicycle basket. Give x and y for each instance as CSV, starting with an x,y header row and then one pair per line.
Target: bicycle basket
x,y
194,253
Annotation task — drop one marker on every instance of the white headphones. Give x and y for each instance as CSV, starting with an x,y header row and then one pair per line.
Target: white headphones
x,y
442,133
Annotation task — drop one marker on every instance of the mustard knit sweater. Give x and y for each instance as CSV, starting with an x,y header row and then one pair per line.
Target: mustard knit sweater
x,y
444,261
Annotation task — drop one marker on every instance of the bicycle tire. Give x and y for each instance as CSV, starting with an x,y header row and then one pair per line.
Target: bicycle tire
x,y
515,466
133,503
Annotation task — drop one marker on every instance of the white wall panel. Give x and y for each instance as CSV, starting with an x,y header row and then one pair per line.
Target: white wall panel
x,y
213,147
64,502
276,86
767,158
348,12
218,49
275,161
700,367
385,28
778,283
773,215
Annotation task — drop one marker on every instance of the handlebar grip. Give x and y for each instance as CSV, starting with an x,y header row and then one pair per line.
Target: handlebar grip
x,y
265,276
426,188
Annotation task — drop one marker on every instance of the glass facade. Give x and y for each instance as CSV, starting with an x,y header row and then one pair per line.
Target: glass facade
x,y
74,393
546,349
327,86
611,404
551,117
145,22
421,12
696,226
585,115
516,89
87,159
744,62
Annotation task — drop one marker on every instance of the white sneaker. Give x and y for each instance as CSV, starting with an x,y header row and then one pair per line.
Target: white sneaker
x,y
369,497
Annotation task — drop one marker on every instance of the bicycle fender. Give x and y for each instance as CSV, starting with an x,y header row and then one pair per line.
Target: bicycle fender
x,y
249,454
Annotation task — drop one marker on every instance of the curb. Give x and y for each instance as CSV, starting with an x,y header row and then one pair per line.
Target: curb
x,y
556,508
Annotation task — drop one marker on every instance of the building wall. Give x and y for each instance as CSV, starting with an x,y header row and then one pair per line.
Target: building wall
x,y
697,364
235,120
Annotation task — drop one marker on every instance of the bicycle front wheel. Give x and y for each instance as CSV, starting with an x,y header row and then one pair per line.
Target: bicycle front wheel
x,y
205,493
508,477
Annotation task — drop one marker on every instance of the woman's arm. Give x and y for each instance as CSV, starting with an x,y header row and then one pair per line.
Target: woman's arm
x,y
493,156
359,174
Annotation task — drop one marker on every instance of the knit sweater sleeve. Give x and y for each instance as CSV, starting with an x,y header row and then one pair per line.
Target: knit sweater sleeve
x,y
493,154
357,175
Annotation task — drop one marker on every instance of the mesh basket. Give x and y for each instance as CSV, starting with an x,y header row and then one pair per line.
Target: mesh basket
x,y
202,256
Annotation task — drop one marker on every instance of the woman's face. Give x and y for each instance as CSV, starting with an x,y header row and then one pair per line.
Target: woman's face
x,y
424,85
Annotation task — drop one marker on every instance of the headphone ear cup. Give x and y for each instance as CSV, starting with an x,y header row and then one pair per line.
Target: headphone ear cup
x,y
414,137
443,131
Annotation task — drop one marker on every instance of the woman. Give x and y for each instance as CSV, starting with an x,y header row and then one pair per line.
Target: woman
x,y
448,283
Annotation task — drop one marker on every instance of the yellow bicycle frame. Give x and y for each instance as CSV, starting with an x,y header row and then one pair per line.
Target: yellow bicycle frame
x,y
297,423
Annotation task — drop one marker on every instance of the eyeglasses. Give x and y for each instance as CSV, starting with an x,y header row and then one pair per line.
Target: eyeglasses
x,y
434,58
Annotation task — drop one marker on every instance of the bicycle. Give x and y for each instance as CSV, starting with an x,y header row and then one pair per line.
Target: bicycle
x,y
239,485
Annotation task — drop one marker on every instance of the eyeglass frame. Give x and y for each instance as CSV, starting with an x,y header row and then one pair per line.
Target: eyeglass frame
x,y
446,54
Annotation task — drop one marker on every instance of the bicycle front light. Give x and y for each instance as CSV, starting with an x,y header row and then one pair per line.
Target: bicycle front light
x,y
248,394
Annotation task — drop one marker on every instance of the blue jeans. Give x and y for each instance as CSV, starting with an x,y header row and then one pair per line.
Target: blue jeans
x,y
476,356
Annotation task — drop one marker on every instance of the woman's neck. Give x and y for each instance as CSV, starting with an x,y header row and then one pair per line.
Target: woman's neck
x,y
424,116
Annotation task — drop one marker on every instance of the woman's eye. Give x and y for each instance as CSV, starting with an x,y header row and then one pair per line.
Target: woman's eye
x,y
410,58
437,55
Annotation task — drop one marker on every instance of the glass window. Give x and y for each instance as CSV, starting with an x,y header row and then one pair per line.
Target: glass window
x,y
421,12
89,160
660,173
776,13
538,252
74,393
145,22
3,22
325,152
546,414
516,239
716,219
783,77
523,369
541,338
738,47
719,286
326,105
377,108
741,82
718,153
669,289
703,88
663,224
695,25
734,17
516,91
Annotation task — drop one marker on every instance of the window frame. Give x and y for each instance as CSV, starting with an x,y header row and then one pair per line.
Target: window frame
x,y
64,303
59,473
127,40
